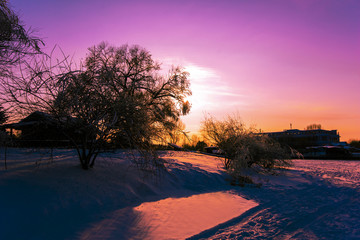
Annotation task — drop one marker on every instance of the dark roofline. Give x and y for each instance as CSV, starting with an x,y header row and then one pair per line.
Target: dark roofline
x,y
34,118
301,131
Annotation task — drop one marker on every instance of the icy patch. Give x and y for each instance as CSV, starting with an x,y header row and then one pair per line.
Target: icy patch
x,y
179,218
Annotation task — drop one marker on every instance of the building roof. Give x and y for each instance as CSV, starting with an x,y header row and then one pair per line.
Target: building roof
x,y
33,119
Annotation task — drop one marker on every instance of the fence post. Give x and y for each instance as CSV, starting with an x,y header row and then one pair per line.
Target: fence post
x,y
5,154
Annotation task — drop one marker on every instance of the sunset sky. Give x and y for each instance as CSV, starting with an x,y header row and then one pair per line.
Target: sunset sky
x,y
274,62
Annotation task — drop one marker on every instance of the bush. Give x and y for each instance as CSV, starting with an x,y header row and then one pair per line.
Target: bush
x,y
200,146
355,143
244,147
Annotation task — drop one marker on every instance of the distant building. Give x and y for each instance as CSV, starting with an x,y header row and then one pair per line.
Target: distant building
x,y
301,139
328,152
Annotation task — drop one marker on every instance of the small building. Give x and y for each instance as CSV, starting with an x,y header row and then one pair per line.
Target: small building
x,y
301,139
38,129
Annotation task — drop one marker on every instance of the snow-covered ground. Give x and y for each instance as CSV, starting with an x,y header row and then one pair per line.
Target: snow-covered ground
x,y
43,197
312,200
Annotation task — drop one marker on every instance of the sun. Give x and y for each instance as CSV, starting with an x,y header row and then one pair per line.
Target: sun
x,y
201,79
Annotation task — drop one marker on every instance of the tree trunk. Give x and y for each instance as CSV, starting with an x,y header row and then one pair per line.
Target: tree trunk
x,y
87,158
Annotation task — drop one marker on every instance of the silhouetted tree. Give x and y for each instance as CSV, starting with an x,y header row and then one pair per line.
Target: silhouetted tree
x,y
355,143
175,133
120,93
313,126
15,41
200,146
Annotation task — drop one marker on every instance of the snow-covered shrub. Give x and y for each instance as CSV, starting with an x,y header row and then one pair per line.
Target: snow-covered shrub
x,y
244,147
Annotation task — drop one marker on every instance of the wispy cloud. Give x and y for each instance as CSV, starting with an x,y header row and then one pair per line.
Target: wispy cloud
x,y
210,91
201,74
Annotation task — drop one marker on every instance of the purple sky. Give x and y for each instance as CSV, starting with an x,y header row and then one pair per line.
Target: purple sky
x,y
274,62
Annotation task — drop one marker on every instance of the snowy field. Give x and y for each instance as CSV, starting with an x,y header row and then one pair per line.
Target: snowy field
x,y
315,199
44,197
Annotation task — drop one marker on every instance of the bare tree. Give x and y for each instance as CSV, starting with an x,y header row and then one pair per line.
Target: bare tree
x,y
176,133
15,41
118,97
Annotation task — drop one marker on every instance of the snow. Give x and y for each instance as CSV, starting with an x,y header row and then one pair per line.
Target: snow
x,y
44,197
341,173
312,200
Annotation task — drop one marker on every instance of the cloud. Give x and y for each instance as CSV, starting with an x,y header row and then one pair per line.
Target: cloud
x,y
210,91
200,74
